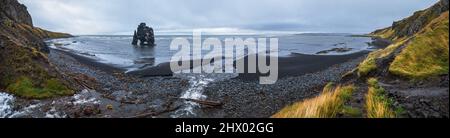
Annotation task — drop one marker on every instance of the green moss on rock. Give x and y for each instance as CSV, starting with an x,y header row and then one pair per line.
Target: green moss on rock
x,y
24,87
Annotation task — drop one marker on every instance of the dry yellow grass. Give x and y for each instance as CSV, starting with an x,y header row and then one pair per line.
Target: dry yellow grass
x,y
384,33
427,54
327,105
377,104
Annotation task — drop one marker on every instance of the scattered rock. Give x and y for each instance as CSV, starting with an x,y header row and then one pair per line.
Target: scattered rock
x,y
339,44
337,50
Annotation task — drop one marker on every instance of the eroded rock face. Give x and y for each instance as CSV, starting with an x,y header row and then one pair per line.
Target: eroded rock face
x,y
412,25
13,10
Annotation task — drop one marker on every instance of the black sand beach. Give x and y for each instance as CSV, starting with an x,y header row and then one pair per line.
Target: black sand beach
x,y
91,62
301,76
245,97
294,65
301,64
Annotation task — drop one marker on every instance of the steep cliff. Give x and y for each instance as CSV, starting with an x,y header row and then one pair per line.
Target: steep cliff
x,y
410,26
420,46
12,10
25,70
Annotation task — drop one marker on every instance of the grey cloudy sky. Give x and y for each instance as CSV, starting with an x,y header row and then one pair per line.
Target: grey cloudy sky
x,y
122,16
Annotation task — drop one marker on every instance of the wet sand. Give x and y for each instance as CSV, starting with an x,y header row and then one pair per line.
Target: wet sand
x,y
294,65
92,62
301,64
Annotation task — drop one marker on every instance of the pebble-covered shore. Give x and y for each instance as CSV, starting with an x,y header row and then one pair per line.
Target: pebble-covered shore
x,y
250,99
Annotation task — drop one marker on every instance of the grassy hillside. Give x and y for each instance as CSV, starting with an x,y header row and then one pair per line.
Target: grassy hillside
x,y
421,56
420,46
420,50
427,54
370,63
25,70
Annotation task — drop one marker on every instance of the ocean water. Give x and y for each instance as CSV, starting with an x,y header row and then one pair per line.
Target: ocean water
x,y
118,51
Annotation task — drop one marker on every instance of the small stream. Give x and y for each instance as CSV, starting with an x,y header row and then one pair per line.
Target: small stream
x,y
7,109
12,107
6,101
197,84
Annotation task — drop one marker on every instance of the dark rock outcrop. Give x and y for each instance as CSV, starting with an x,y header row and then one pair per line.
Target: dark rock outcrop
x,y
412,25
337,50
13,10
380,42
145,35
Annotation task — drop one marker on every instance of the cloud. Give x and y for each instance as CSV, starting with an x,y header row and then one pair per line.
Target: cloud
x,y
116,16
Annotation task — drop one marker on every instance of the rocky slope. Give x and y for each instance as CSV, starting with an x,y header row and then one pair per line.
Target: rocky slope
x,y
412,72
25,70
410,26
414,69
419,49
408,78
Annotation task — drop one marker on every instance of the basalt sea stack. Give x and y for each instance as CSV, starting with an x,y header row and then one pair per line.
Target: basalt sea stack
x,y
145,35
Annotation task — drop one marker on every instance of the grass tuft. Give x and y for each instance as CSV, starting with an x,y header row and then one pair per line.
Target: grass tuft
x,y
377,103
8,22
352,112
327,105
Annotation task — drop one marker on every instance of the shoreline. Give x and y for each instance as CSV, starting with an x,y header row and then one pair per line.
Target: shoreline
x,y
300,64
238,95
295,64
92,62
